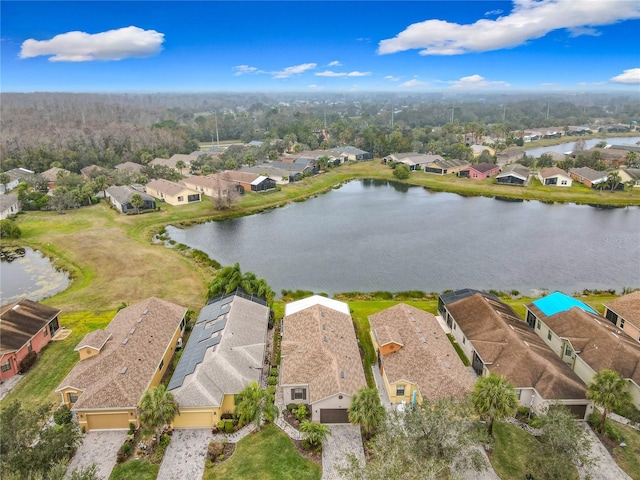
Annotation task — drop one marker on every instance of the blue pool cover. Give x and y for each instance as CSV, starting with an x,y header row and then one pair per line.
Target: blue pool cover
x,y
559,302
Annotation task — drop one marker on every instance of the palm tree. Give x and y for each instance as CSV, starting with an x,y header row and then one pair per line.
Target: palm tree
x,y
614,180
250,403
314,433
102,183
180,165
608,390
366,410
225,281
137,202
494,398
631,158
157,408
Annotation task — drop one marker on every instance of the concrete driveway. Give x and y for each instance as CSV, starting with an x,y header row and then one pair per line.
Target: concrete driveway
x,y
344,439
186,454
101,448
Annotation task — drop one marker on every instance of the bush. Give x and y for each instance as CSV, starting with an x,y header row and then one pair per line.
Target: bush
x,y
215,450
271,390
382,295
292,406
125,452
401,172
228,426
9,229
27,362
62,416
301,412
132,428
273,372
272,381
410,294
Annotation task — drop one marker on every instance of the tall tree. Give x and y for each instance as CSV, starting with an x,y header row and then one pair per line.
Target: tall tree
x,y
366,410
137,202
608,390
157,408
494,398
314,433
250,404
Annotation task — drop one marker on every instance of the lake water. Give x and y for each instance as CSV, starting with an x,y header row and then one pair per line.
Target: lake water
x,y
371,235
568,147
32,276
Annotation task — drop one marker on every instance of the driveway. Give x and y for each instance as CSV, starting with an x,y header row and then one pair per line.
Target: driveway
x,y
186,454
344,439
101,448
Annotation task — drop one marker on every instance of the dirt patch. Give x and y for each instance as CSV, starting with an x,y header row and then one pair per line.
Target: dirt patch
x,y
309,455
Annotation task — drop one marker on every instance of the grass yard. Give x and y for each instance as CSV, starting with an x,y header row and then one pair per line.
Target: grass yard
x,y
268,454
135,470
627,458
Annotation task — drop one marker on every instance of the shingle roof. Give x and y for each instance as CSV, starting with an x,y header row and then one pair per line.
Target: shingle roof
x,y
148,328
18,173
51,175
589,173
20,321
320,349
483,167
224,353
7,200
514,169
509,347
169,188
552,172
426,358
95,339
627,307
123,193
130,166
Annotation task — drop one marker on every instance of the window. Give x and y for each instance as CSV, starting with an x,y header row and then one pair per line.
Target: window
x,y
298,394
46,331
564,182
161,364
6,366
622,323
400,391
29,347
568,351
464,340
549,335
539,324
181,199
73,397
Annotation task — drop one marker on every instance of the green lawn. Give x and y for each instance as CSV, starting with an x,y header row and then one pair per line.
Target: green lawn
x,y
627,458
268,454
135,470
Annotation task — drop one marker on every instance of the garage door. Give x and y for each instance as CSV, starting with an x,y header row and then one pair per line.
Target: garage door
x,y
107,421
334,415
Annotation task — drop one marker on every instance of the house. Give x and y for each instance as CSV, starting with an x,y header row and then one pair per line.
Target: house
x,y
496,340
514,174
25,326
585,341
129,167
173,161
9,205
120,198
480,171
531,136
510,156
225,352
554,176
280,172
255,143
212,185
630,175
251,182
351,153
624,313
439,166
578,131
415,357
16,175
320,361
92,171
119,363
588,176
415,161
171,192
478,149
53,174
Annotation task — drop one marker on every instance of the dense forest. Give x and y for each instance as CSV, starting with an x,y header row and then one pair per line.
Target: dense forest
x,y
41,130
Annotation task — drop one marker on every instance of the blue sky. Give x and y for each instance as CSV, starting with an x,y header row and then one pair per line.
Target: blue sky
x,y
156,46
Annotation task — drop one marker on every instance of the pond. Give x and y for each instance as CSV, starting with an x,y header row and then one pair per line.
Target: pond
x,y
372,235
32,276
568,147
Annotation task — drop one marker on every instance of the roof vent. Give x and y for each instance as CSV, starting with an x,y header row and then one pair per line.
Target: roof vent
x,y
321,313
145,311
15,307
324,326
342,374
423,340
125,341
139,320
324,338
418,330
133,330
124,370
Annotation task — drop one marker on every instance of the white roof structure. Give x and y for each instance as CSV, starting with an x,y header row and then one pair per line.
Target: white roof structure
x,y
294,307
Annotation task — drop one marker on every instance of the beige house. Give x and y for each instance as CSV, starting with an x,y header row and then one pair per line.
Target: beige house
x,y
171,192
120,363
210,185
320,361
496,340
554,176
415,357
225,352
624,313
588,343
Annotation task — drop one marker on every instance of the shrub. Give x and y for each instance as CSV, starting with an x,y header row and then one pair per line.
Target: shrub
x,y
27,362
401,172
215,450
228,426
409,294
292,406
62,416
132,428
8,229
271,390
273,372
121,306
124,452
220,425
301,412
382,295
272,381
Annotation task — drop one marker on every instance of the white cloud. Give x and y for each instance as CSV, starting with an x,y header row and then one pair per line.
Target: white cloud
x,y
590,84
85,47
335,63
549,84
497,11
529,19
391,78
413,83
330,73
294,70
314,86
630,76
244,69
476,81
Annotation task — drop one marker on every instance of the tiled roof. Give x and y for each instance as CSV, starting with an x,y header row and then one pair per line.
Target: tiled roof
x,y
509,347
627,307
141,333
20,321
320,349
426,358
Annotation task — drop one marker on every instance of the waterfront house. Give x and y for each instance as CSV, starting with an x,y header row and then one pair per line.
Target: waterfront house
x,y
480,171
630,175
554,176
9,205
25,326
415,357
496,340
320,364
584,340
439,166
415,161
514,174
624,313
120,363
171,192
351,153
212,185
120,198
588,176
251,182
225,352
509,156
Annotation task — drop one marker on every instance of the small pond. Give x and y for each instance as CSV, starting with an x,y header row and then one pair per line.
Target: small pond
x,y
31,275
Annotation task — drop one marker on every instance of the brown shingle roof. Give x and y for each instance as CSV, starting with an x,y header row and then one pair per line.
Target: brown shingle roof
x,y
552,171
319,348
427,357
627,307
169,188
95,339
20,321
100,378
51,175
509,347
